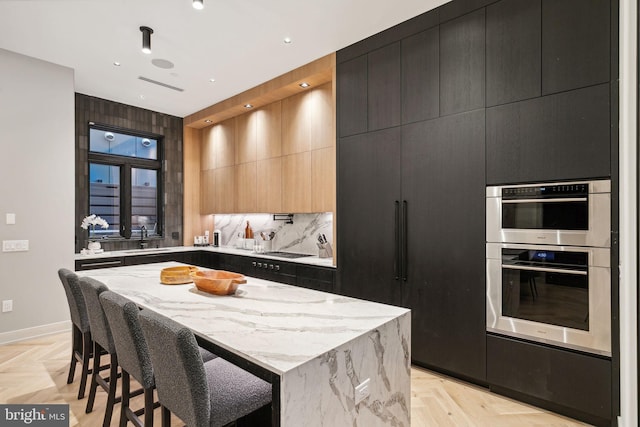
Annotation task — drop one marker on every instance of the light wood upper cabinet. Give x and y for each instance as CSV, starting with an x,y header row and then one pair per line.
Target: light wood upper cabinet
x,y
296,183
323,179
246,137
269,191
269,131
223,139
296,128
322,120
246,185
207,188
224,191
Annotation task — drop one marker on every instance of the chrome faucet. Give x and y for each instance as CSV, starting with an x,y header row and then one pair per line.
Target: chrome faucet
x,y
143,234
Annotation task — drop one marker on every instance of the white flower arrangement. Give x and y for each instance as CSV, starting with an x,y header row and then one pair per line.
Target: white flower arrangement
x,y
93,220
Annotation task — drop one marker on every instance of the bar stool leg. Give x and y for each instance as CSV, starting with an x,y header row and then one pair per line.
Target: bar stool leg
x,y
166,417
76,346
148,407
97,351
112,385
87,344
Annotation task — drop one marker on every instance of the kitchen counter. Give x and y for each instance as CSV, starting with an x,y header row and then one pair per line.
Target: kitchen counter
x,y
317,345
309,260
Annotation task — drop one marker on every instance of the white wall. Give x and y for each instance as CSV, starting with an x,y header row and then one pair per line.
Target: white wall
x,y
37,184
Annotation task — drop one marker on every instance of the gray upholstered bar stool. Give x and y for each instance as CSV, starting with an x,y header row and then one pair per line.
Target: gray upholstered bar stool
x,y
214,393
82,344
133,355
102,340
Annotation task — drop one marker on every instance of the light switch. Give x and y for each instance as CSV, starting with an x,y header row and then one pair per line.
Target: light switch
x,y
11,218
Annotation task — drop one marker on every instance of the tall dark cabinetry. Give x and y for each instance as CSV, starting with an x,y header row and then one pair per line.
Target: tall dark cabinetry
x,y
407,183
429,112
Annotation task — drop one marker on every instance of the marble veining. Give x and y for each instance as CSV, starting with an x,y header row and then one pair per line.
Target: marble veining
x,y
322,345
301,236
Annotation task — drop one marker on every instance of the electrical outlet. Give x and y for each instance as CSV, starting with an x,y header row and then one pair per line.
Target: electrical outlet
x,y
7,305
362,391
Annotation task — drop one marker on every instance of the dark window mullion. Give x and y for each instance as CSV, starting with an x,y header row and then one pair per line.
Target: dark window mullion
x,y
125,205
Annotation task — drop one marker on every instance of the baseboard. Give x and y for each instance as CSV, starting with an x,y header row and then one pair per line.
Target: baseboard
x,y
35,332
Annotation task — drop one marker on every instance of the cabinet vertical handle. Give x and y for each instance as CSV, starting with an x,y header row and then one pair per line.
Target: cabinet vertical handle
x,y
396,260
405,241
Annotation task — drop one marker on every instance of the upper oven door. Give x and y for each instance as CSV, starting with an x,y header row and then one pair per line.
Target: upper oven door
x,y
572,213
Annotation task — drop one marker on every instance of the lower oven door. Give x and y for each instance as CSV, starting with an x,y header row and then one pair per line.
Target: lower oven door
x,y
554,294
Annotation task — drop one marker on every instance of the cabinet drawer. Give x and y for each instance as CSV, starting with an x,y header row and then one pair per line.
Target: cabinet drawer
x,y
575,384
92,264
318,278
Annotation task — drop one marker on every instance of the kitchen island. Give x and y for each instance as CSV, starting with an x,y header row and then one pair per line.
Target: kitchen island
x,y
314,347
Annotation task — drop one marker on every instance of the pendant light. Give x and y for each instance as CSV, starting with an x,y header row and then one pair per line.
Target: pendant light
x,y
198,4
146,39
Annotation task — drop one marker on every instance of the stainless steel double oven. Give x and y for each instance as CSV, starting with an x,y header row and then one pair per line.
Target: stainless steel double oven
x,y
548,263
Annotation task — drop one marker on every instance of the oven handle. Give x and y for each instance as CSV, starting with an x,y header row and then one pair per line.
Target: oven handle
x,y
559,200
544,269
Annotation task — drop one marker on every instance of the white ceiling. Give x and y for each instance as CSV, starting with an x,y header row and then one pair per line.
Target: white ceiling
x,y
237,42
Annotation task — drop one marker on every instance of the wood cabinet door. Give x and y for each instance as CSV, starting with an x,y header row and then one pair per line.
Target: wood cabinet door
x,y
269,187
443,186
462,63
576,44
556,137
421,76
224,193
513,51
351,94
323,180
246,138
207,192
269,131
383,87
296,183
368,202
246,184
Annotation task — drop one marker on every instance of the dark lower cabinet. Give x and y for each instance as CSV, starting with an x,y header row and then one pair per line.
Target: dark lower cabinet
x,y
575,384
314,277
269,269
184,257
94,263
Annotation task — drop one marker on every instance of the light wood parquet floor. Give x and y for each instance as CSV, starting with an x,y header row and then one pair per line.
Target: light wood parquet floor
x,y
35,371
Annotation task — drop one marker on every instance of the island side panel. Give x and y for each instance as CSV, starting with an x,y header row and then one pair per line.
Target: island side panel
x,y
321,392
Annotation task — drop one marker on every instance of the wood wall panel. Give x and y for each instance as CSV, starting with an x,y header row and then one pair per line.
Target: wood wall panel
x,y
192,180
207,152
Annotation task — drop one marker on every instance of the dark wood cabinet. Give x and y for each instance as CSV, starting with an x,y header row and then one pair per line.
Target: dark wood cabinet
x,y
443,185
513,51
569,382
576,41
315,277
421,76
368,208
462,63
383,87
351,94
269,269
557,137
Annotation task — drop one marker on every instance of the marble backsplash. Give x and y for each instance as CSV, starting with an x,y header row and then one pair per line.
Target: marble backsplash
x,y
301,236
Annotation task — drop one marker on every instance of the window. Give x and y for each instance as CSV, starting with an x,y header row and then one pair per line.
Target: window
x,y
125,182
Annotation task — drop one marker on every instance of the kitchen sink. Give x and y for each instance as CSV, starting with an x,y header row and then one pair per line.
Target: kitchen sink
x,y
286,254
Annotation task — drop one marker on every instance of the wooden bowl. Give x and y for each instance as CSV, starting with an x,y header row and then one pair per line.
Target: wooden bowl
x,y
177,275
217,282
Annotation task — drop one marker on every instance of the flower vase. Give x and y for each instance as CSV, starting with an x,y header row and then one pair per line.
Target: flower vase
x,y
93,246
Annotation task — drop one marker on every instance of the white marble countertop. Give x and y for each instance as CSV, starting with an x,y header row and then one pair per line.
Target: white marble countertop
x,y
276,326
309,260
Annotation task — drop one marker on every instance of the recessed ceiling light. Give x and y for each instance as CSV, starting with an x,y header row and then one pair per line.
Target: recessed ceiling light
x,y
287,40
248,106
304,85
212,80
208,121
116,63
198,4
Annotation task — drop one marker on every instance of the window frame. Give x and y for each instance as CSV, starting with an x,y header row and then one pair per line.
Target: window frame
x,y
126,163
